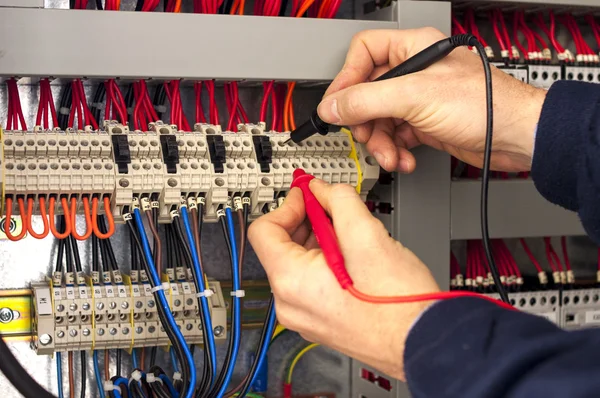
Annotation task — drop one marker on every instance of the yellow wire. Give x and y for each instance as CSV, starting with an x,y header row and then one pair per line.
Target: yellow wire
x,y
297,358
278,330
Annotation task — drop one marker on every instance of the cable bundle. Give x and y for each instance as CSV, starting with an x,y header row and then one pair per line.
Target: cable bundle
x,y
533,52
471,27
562,54
46,106
207,6
583,51
112,5
595,29
177,116
237,114
543,278
558,274
114,102
80,108
147,5
144,112
507,50
15,112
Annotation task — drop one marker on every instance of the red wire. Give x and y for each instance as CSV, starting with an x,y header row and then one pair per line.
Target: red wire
x,y
494,20
563,243
458,26
531,256
516,36
267,90
41,105
592,22
17,105
199,111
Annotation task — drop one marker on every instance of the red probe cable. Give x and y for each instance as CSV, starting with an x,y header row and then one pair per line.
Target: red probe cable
x,y
327,239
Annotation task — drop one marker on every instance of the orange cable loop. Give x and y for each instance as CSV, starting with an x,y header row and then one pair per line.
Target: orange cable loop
x,y
109,218
8,217
88,219
42,201
65,206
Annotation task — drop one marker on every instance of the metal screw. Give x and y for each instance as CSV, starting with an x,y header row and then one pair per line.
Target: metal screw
x,y
60,308
189,326
189,301
177,303
112,305
100,306
125,330
113,331
85,332
6,315
60,335
138,304
85,306
124,305
162,329
139,330
123,183
73,306
73,333
45,339
100,332
218,330
152,329
172,182
151,303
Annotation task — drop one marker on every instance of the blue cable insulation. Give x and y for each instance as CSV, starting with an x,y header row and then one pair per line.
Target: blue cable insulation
x,y
160,294
236,333
200,287
134,360
174,359
265,348
97,374
117,394
124,384
59,380
172,390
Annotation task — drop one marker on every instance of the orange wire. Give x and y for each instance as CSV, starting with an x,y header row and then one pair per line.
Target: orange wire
x,y
7,219
44,218
65,207
304,7
324,7
178,6
234,8
242,5
88,219
109,218
287,106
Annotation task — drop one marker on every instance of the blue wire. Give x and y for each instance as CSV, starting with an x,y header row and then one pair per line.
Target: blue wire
x,y
174,359
117,394
163,302
124,384
236,333
97,374
200,287
265,348
134,360
59,375
172,390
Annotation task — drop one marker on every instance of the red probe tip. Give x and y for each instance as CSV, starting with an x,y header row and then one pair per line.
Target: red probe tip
x,y
298,173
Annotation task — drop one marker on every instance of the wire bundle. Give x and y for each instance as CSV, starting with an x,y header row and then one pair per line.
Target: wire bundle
x,y
147,5
115,109
533,52
177,116
584,52
15,112
558,274
550,31
80,108
173,6
144,112
595,29
237,114
46,106
112,5
507,50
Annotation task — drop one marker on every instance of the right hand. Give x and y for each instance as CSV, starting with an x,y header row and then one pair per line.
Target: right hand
x,y
442,106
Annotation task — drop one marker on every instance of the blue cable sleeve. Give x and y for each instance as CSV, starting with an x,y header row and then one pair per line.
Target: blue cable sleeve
x,y
134,360
117,394
172,390
59,380
160,294
124,384
236,333
200,287
265,348
97,374
174,359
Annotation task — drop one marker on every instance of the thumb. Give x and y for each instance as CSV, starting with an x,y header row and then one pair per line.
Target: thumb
x,y
369,101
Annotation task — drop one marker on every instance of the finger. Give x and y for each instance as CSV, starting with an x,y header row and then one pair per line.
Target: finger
x,y
406,161
271,234
360,103
302,233
362,132
381,144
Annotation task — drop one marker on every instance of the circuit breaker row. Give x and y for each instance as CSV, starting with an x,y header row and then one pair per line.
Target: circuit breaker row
x,y
166,165
569,309
73,312
543,76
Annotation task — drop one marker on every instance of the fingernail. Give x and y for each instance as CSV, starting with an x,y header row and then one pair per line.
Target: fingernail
x,y
404,166
328,111
381,159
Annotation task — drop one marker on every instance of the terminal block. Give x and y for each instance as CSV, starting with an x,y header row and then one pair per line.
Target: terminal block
x,y
541,303
543,76
116,313
167,165
590,74
580,309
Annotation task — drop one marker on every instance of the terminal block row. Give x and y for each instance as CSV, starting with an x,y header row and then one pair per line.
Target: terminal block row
x,y
112,311
166,165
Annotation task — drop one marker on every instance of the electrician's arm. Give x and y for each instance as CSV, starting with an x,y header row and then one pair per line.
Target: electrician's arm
x,y
469,348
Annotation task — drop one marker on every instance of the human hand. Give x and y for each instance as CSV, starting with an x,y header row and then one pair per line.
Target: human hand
x,y
308,298
442,106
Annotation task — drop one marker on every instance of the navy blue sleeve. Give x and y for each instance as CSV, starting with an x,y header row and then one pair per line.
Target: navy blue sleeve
x,y
566,159
471,348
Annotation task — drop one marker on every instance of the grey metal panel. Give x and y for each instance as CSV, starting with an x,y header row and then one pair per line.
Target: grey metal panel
x,y
22,3
201,46
516,209
413,15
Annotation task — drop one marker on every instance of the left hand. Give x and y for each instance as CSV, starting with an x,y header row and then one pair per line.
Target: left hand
x,y
308,298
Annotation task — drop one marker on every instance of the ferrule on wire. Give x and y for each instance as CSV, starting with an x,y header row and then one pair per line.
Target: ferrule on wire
x,y
145,204
69,278
135,204
229,203
127,217
155,204
173,214
246,201
201,200
182,203
237,203
563,277
460,281
116,276
238,293
192,204
220,213
57,278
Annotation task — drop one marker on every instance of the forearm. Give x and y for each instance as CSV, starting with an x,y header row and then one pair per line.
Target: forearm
x,y
472,348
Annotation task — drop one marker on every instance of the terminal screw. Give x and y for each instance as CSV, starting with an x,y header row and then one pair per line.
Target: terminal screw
x,y
45,339
219,330
6,315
